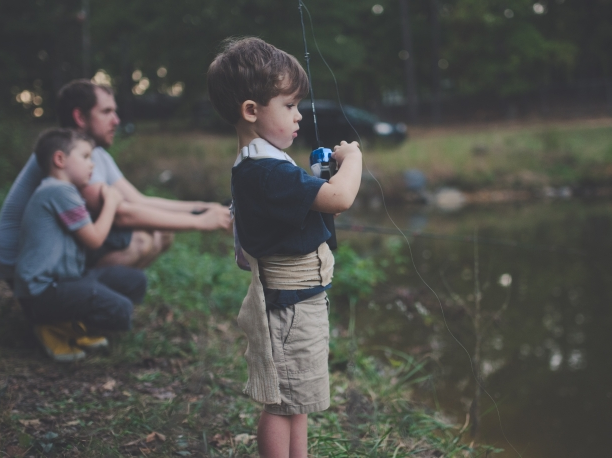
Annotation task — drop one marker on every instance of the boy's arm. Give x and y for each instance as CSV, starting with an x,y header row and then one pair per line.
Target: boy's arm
x,y
338,194
93,235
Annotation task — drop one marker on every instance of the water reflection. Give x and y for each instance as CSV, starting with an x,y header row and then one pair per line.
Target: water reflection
x,y
547,358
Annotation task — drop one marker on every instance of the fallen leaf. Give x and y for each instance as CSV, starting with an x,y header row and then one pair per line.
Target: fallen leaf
x,y
145,450
72,423
126,393
244,438
164,395
218,440
109,385
155,435
30,422
129,444
15,451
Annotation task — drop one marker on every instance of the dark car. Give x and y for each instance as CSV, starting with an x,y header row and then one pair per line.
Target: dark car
x,y
334,127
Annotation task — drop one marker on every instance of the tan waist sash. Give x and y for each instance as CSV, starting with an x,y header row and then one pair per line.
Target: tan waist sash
x,y
298,272
278,272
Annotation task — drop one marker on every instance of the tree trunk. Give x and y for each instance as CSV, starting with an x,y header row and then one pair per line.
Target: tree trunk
x,y
435,63
411,91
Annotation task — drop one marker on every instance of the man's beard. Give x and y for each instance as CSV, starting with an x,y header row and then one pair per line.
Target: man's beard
x,y
98,139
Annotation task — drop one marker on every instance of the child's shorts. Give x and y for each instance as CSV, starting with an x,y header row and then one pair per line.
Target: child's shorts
x,y
300,347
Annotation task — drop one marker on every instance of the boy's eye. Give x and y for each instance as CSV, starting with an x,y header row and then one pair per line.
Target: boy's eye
x,y
291,105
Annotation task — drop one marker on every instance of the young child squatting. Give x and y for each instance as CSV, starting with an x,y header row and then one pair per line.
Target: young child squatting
x,y
278,220
63,300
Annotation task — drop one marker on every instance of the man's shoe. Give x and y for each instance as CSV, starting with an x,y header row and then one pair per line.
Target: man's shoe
x,y
56,340
88,342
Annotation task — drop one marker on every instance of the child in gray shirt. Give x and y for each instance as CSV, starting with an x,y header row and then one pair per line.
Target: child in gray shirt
x,y
63,300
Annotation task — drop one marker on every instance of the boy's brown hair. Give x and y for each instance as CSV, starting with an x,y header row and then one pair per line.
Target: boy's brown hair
x,y
251,69
53,140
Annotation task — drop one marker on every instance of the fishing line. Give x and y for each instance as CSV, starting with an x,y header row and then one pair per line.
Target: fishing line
x,y
476,378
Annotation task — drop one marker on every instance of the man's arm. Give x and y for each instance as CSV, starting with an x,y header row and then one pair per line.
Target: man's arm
x,y
339,193
93,235
133,195
142,216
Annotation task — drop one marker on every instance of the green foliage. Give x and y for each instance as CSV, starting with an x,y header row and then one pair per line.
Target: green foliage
x,y
14,150
197,280
354,275
500,47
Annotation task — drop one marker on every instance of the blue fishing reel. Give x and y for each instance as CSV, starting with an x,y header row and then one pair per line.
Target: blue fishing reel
x,y
322,164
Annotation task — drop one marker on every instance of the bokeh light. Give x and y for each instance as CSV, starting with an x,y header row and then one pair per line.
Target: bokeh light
x,y
102,77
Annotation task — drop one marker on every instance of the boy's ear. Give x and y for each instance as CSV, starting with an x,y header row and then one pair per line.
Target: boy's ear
x,y
248,111
58,159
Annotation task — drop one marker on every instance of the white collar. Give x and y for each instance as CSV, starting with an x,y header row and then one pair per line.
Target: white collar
x,y
261,149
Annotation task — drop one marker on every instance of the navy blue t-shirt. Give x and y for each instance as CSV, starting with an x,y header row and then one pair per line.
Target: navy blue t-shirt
x,y
272,201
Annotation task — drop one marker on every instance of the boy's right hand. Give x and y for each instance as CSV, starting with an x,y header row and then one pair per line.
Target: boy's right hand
x,y
344,150
111,194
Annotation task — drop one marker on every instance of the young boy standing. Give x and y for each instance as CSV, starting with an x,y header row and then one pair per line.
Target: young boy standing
x,y
278,217
58,296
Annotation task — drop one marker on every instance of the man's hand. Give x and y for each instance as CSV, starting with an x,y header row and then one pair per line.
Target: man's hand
x,y
201,207
216,217
344,150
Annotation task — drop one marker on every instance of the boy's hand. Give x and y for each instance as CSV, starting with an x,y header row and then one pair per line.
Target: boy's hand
x,y
344,150
111,194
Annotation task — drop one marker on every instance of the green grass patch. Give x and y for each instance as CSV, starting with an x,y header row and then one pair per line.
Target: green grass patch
x,y
173,386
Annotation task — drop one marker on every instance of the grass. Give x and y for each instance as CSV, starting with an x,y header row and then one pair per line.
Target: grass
x,y
173,386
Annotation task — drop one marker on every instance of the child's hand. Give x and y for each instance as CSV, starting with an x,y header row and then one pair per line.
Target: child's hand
x,y
111,194
344,150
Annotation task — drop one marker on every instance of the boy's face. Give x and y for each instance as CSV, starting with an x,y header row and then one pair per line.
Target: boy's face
x,y
278,121
78,165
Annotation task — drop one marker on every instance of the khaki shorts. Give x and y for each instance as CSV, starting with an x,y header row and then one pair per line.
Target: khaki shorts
x,y
300,347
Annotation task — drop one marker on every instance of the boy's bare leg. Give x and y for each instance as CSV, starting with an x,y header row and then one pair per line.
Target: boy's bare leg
x,y
280,436
298,444
144,248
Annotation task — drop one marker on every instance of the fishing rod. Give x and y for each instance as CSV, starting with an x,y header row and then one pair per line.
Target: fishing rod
x,y
322,164
475,371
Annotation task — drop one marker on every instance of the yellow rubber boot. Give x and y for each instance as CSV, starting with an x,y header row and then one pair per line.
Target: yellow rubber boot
x,y
57,342
86,341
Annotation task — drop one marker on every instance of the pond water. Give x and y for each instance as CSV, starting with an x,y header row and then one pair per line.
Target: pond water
x,y
546,357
